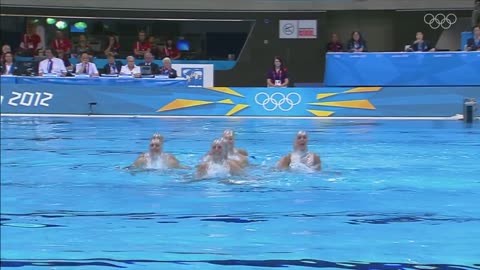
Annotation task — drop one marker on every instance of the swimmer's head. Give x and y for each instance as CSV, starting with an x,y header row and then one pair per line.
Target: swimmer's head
x,y
301,141
157,136
218,149
227,144
228,136
156,146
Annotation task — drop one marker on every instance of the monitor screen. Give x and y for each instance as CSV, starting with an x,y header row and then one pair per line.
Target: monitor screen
x,y
74,29
183,45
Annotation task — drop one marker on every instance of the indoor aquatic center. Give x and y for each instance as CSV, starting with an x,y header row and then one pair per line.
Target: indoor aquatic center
x,y
253,134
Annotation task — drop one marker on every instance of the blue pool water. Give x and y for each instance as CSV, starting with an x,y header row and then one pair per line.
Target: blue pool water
x,y
394,195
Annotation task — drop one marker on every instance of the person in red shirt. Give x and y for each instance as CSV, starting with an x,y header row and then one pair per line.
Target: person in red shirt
x,y
171,51
61,43
30,41
142,46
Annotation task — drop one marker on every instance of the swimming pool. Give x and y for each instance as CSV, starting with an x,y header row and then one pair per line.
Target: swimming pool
x,y
394,195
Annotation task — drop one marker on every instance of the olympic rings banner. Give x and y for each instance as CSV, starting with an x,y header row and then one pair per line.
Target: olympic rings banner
x,y
59,96
440,20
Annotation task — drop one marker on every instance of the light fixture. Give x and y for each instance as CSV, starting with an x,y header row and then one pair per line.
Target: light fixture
x,y
51,20
61,25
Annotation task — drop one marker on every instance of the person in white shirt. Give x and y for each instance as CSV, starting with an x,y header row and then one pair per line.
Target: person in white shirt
x,y
85,67
51,65
130,68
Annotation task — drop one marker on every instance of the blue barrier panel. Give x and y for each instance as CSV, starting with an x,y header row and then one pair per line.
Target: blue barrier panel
x,y
150,97
101,62
403,69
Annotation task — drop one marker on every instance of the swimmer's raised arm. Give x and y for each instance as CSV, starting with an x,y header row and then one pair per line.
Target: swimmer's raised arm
x,y
235,168
242,152
172,162
317,162
202,170
284,162
140,162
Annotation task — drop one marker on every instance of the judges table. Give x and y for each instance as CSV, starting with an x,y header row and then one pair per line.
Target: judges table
x,y
403,69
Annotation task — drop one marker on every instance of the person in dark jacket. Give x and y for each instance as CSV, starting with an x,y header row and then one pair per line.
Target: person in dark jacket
x,y
113,66
421,45
473,44
167,68
357,43
149,62
9,67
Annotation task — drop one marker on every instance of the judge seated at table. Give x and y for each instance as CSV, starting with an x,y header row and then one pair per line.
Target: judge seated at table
x,y
420,45
51,65
167,69
357,43
154,68
85,67
8,66
130,68
113,66
473,44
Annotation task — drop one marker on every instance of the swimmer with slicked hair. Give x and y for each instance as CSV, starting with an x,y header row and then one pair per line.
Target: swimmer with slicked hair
x,y
156,158
216,162
238,155
300,157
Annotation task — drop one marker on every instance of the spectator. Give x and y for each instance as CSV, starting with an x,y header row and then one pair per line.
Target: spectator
x,y
85,67
130,68
357,43
334,45
141,46
420,45
170,50
154,49
5,49
30,41
66,62
278,76
51,65
40,52
61,43
112,46
149,62
9,67
113,66
82,46
167,68
473,44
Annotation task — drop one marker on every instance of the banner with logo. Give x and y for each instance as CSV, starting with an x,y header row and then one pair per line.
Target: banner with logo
x,y
403,69
149,97
197,75
298,29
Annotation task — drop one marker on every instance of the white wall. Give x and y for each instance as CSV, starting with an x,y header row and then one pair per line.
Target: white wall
x,y
247,5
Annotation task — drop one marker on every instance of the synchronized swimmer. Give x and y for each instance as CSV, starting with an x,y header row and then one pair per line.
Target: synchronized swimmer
x,y
156,158
225,159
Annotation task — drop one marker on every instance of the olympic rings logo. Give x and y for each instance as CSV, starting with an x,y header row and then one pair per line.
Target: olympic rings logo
x,y
440,20
278,101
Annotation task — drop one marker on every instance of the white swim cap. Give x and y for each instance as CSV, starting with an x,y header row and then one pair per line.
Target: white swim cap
x,y
228,132
157,136
301,132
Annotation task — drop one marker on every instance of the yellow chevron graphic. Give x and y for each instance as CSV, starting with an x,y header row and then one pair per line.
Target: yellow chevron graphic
x,y
363,89
325,95
226,90
183,103
355,104
236,109
226,101
321,113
